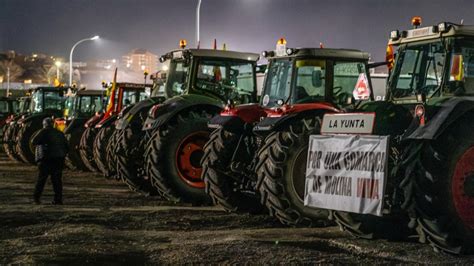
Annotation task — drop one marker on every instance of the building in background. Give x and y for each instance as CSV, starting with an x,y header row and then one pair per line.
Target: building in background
x,y
139,60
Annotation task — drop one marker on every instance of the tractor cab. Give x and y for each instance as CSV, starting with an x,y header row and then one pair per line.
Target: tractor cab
x,y
432,65
207,76
123,95
81,104
224,75
48,100
300,80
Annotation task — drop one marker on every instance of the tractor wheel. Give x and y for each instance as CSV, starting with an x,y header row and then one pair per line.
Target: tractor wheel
x,y
371,227
131,161
281,174
100,149
73,158
24,148
173,158
85,148
111,157
9,142
441,190
217,176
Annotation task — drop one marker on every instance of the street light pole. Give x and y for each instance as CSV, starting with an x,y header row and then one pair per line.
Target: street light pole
x,y
8,81
198,11
72,50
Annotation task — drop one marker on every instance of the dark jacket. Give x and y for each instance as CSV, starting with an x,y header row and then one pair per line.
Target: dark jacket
x,y
54,140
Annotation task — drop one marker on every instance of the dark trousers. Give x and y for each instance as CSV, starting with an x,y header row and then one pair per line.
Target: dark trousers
x,y
50,167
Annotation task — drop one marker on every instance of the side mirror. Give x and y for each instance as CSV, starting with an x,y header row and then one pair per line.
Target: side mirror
x,y
316,78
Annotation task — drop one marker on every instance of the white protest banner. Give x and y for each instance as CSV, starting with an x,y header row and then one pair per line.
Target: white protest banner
x,y
346,173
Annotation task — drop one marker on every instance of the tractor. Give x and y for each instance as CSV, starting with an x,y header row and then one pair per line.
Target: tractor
x,y
126,96
8,106
45,102
426,130
302,85
10,129
130,140
200,82
81,106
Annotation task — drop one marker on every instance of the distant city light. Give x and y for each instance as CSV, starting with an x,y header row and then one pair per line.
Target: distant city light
x,y
58,63
165,68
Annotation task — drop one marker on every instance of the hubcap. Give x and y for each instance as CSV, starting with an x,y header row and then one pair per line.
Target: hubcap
x,y
463,188
298,177
188,158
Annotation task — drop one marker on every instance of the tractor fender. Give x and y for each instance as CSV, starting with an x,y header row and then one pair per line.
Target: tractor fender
x,y
162,113
144,105
39,117
239,118
450,111
106,122
279,117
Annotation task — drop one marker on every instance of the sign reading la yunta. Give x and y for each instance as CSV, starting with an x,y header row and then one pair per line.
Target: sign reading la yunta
x,y
346,173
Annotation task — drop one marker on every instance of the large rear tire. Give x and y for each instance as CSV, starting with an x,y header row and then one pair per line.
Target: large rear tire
x,y
9,142
372,227
24,148
131,161
85,148
441,189
111,156
100,149
281,174
173,158
217,175
73,158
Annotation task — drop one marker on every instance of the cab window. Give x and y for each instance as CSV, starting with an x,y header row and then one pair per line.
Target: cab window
x,y
350,80
310,81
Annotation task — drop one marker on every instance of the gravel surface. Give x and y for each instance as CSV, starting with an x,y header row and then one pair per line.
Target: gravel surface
x,y
103,223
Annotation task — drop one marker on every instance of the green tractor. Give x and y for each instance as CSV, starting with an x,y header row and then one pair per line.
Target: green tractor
x,y
45,102
425,130
81,106
301,85
199,83
126,157
20,107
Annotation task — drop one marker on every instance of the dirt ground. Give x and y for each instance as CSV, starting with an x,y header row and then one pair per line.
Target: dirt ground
x,y
103,223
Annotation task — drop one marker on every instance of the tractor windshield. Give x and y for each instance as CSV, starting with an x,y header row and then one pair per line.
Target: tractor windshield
x,y
419,70
86,105
69,106
4,107
46,100
278,82
23,105
229,80
177,80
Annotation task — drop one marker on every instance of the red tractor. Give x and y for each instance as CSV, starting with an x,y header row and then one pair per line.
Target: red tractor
x,y
125,96
301,86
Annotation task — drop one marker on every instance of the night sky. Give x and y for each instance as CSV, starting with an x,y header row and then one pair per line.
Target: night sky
x,y
53,26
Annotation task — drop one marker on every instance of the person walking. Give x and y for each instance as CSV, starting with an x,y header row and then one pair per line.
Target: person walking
x,y
51,149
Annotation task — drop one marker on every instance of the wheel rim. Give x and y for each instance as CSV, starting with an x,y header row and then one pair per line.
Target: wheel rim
x,y
188,158
463,186
298,174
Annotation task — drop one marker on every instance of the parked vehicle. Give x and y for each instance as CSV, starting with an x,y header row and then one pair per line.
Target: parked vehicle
x,y
45,102
428,119
199,83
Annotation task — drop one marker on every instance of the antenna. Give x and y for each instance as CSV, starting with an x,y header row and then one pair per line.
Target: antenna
x,y
462,21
